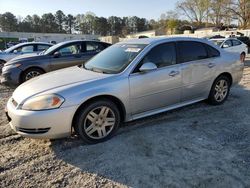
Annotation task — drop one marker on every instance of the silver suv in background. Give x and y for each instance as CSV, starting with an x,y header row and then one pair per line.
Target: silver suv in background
x,y
20,49
61,55
127,81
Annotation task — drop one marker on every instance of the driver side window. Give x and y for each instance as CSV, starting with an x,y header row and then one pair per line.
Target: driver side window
x,y
162,55
70,50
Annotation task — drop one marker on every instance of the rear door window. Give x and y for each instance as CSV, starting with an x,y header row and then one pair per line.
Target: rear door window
x,y
236,42
191,51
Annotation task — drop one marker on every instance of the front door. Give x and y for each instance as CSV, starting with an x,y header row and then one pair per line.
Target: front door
x,y
158,88
66,56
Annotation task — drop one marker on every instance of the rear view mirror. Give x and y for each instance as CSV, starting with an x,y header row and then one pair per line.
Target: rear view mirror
x,y
57,54
146,67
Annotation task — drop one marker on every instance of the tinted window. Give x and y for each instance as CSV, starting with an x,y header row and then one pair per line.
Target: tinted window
x,y
71,49
41,47
212,52
162,55
236,42
191,51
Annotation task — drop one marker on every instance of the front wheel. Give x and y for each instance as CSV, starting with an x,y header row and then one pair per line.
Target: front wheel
x,y
31,73
97,122
219,91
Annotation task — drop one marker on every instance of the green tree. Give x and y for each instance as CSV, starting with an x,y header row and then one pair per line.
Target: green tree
x,y
8,22
48,23
60,20
70,23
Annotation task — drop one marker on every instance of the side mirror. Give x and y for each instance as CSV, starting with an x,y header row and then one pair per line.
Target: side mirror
x,y
225,46
146,67
57,54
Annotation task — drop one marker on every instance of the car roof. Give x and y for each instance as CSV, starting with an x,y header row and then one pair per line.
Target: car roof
x,y
162,39
219,39
85,40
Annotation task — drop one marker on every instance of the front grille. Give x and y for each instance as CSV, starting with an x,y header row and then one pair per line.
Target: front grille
x,y
33,131
14,102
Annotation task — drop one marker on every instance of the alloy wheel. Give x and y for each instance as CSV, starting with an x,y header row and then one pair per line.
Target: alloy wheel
x,y
99,122
32,74
221,90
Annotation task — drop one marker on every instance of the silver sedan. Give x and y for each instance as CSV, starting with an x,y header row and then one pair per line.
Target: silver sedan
x,y
127,81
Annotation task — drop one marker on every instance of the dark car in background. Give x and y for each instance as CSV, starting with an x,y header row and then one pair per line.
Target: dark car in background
x,y
61,55
20,49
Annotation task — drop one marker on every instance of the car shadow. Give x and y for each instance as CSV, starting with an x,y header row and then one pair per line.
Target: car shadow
x,y
190,146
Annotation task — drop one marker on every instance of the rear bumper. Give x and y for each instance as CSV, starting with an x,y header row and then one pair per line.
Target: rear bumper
x,y
47,124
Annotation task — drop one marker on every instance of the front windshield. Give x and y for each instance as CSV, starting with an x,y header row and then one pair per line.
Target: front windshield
x,y
8,50
218,42
52,48
115,58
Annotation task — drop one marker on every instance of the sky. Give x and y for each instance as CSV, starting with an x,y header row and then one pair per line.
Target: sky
x,y
150,9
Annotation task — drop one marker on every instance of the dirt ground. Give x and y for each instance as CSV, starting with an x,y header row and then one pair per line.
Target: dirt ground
x,y
195,146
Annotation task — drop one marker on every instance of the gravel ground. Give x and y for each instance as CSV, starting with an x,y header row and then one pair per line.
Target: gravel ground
x,y
195,146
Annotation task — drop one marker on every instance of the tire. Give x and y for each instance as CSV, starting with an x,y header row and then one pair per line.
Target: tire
x,y
219,91
31,73
90,121
243,56
1,65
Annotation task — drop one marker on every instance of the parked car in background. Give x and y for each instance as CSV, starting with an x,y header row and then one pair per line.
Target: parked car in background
x,y
127,81
232,45
61,55
22,48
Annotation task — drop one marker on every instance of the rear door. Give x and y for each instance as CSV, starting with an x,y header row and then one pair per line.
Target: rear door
x,y
197,68
238,46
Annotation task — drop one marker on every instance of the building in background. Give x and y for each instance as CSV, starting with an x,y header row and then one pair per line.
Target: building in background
x,y
16,37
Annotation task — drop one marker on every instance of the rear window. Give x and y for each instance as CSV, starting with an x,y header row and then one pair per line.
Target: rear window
x,y
191,51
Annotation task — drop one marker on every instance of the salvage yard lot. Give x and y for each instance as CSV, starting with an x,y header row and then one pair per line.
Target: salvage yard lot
x,y
195,146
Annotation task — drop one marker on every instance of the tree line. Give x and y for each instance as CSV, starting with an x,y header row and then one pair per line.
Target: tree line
x,y
196,13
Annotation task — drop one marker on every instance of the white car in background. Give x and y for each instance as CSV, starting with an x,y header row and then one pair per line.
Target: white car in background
x,y
232,45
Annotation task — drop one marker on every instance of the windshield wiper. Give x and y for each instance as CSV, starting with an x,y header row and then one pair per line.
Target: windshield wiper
x,y
97,70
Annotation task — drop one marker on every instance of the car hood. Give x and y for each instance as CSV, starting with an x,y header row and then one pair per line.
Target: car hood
x,y
55,80
25,58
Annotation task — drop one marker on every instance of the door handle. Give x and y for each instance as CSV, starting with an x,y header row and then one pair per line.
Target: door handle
x,y
211,65
174,73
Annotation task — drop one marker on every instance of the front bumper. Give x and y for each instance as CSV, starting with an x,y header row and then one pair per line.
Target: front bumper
x,y
46,124
11,77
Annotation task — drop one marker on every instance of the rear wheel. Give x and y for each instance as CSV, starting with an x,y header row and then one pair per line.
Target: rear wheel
x,y
219,91
1,65
243,56
97,122
31,73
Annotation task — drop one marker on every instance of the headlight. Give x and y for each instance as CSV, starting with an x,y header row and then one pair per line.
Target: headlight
x,y
6,67
43,102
